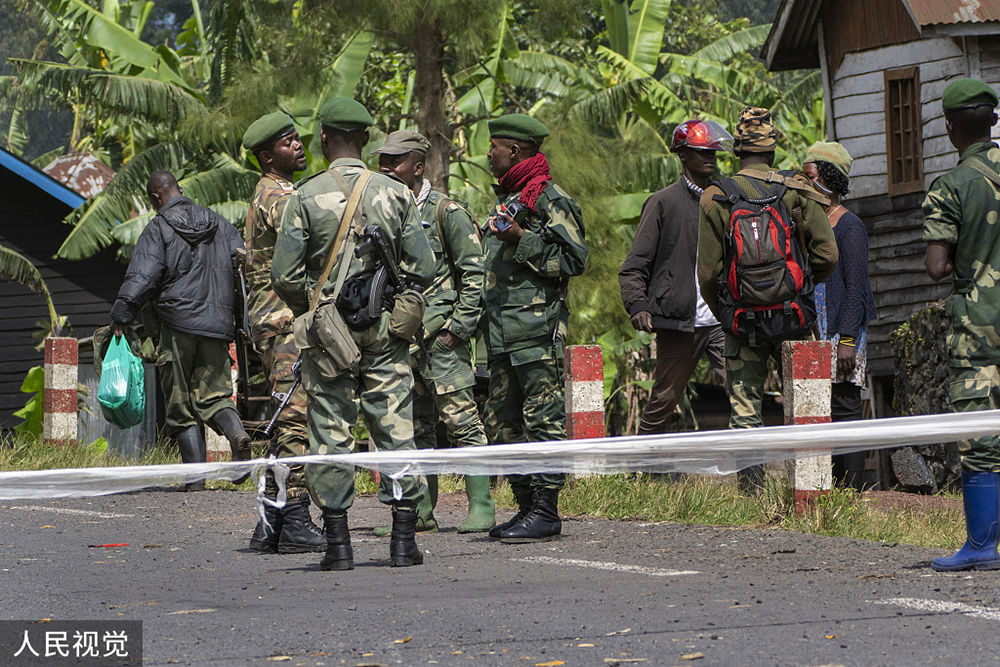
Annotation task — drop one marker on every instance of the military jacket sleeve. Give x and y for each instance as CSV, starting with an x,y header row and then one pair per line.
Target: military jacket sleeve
x,y
288,268
454,299
712,221
821,246
268,314
557,248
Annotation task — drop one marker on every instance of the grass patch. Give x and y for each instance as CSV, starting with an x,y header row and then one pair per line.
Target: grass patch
x,y
696,500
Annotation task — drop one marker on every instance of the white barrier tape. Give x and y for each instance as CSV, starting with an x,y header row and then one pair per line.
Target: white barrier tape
x,y
700,452
259,476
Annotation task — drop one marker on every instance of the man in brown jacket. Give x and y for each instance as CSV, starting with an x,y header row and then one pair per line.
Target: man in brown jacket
x,y
658,279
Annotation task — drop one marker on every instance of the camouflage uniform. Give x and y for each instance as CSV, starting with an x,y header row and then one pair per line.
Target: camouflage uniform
x,y
271,324
193,388
746,367
962,209
443,388
381,381
525,325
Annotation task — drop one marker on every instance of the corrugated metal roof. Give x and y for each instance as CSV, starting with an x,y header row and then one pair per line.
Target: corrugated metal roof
x,y
82,172
936,12
40,179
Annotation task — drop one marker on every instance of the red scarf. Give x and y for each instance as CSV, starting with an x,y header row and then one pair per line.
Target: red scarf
x,y
530,177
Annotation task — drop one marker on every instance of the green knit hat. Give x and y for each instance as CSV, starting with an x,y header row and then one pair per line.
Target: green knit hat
x,y
518,126
832,152
267,128
343,113
967,93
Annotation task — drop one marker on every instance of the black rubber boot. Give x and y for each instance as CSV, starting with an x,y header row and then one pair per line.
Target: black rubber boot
x,y
339,554
228,421
299,534
191,443
403,549
542,524
265,535
524,503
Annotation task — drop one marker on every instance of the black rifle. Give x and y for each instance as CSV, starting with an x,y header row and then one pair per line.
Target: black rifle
x,y
387,270
284,398
242,335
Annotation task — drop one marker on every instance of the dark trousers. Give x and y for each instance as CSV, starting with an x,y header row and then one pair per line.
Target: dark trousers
x,y
845,405
677,356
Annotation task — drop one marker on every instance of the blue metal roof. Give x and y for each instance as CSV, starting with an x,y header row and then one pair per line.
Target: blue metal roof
x,y
40,179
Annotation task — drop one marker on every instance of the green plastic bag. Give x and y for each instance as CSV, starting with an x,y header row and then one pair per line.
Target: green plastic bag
x,y
121,392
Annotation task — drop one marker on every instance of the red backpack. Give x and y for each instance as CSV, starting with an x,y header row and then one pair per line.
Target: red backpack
x,y
766,286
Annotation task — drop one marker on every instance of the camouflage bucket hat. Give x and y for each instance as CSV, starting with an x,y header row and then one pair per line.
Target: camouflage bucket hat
x,y
755,132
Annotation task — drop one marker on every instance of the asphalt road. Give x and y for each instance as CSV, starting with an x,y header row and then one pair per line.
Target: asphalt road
x,y
608,593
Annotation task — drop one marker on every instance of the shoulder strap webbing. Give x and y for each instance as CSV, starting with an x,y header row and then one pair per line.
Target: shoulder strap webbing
x,y
986,170
345,222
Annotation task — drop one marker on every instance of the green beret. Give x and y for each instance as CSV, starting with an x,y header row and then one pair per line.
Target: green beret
x,y
967,93
343,113
267,128
402,142
832,152
518,126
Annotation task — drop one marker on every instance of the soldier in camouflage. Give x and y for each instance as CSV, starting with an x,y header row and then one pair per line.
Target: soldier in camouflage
x,y
535,243
276,145
380,380
442,385
961,212
746,365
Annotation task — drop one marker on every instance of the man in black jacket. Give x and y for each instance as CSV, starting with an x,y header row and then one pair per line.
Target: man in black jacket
x,y
658,278
183,261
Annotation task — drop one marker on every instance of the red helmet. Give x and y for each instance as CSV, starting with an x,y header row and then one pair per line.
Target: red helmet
x,y
706,135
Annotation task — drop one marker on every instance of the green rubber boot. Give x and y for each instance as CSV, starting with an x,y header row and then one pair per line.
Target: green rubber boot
x,y
482,510
426,523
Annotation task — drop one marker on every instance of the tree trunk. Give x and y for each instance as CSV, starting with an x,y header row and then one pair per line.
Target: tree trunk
x,y
431,121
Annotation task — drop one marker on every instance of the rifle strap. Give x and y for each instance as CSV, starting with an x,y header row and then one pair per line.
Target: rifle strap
x,y
788,181
354,198
984,169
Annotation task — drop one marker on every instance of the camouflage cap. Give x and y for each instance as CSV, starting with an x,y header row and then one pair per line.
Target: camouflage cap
x,y
754,132
518,126
832,152
267,128
402,142
968,93
343,113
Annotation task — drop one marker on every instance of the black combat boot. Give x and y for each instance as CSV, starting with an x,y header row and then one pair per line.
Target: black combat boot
x,y
524,502
191,443
298,532
542,524
403,549
339,554
265,535
228,421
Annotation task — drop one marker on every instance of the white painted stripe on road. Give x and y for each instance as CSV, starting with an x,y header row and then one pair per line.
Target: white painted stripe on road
x,y
613,567
943,607
66,510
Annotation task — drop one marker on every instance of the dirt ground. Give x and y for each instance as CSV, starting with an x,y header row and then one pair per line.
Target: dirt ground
x,y
901,501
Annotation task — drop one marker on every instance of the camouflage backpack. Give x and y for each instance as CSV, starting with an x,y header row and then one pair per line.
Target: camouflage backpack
x,y
766,286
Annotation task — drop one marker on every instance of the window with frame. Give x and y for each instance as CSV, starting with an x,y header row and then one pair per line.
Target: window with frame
x,y
902,131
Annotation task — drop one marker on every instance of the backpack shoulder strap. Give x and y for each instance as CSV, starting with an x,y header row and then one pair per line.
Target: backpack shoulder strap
x,y
345,223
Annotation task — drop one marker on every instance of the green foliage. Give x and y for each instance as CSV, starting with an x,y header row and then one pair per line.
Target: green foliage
x,y
33,411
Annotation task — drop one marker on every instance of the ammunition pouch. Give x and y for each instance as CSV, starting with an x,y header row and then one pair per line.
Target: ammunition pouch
x,y
324,336
407,314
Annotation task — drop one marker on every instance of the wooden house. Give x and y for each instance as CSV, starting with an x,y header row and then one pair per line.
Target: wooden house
x,y
885,64
31,214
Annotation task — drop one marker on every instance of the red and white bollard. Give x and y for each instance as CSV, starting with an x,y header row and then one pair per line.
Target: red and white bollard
x,y
59,422
584,392
806,378
216,446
